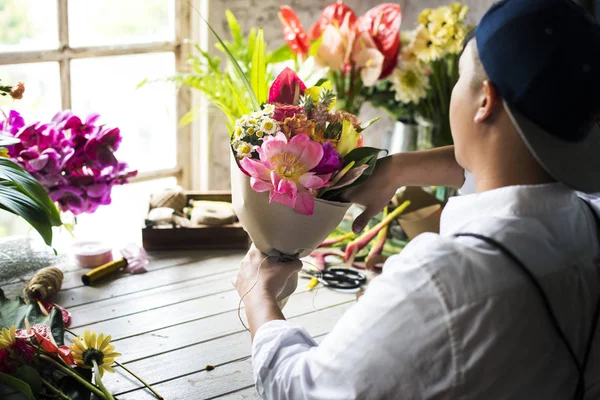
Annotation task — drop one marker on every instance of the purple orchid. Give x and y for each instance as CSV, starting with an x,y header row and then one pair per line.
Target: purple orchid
x,y
331,161
73,160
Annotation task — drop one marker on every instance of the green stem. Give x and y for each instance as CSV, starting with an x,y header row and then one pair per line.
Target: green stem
x,y
158,396
55,390
99,383
75,375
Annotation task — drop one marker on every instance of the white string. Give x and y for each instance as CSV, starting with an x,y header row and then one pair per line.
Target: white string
x,y
248,292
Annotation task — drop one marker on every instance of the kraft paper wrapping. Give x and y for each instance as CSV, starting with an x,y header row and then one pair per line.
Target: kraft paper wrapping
x,y
279,231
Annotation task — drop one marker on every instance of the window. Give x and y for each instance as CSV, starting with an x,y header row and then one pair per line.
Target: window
x,y
90,56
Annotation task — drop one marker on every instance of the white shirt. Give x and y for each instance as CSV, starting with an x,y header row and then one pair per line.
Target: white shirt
x,y
453,318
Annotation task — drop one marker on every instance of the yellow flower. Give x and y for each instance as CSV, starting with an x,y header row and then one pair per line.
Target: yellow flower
x,y
410,83
425,48
348,139
269,127
8,337
3,152
89,348
441,16
423,18
455,44
250,131
460,11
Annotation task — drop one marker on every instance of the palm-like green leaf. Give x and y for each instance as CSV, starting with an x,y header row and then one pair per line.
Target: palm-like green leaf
x,y
22,195
258,72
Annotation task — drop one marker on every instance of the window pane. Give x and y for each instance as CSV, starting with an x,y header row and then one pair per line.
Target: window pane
x,y
42,90
146,116
28,25
104,22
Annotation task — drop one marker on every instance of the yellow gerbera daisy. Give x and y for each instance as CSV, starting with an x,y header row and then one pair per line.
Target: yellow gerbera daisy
x,y
89,348
425,47
8,337
423,18
410,83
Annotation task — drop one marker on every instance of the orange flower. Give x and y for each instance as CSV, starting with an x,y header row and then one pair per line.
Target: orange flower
x,y
17,91
297,125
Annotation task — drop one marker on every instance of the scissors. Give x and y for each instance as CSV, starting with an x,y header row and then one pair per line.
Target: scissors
x,y
342,279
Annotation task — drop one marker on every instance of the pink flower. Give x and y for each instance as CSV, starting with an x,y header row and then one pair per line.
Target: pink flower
x,y
284,171
287,88
336,45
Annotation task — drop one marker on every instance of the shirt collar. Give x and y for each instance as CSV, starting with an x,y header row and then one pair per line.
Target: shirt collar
x,y
510,201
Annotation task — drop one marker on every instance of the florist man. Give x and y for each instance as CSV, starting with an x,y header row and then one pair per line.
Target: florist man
x,y
503,304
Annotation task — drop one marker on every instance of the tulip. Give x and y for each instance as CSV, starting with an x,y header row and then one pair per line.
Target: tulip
x,y
287,88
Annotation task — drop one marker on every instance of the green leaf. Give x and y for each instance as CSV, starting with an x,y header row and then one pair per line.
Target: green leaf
x,y
251,43
284,53
14,312
17,384
258,72
234,27
30,376
237,67
13,200
361,156
9,170
190,116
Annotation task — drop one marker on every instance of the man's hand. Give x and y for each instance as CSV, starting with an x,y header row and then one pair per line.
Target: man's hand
x,y
268,279
375,193
435,167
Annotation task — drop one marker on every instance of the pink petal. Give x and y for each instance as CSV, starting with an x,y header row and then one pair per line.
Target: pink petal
x,y
255,168
311,156
311,181
260,186
305,203
287,186
273,147
284,199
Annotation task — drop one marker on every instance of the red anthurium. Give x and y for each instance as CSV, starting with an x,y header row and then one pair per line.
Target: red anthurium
x,y
383,24
333,12
287,88
293,31
66,315
43,335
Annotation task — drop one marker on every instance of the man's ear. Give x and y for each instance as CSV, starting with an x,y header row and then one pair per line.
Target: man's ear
x,y
489,100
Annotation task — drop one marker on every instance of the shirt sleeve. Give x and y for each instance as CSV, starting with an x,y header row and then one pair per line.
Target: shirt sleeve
x,y
395,342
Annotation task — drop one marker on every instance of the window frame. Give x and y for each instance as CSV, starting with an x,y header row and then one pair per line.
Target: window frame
x,y
64,54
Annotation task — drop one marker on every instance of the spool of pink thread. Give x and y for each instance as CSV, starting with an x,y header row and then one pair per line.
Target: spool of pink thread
x,y
92,254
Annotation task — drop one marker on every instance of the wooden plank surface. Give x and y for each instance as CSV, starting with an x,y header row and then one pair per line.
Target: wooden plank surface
x,y
180,317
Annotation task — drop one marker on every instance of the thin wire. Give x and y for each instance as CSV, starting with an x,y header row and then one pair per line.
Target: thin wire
x,y
320,276
248,292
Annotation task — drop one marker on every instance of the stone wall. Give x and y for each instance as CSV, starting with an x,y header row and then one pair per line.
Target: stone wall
x,y
264,13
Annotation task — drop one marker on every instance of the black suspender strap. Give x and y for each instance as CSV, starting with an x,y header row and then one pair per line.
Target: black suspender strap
x,y
581,367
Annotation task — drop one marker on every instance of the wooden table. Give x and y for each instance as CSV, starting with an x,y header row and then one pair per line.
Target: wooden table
x,y
180,317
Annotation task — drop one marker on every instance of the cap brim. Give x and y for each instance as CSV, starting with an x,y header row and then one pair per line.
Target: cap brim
x,y
576,164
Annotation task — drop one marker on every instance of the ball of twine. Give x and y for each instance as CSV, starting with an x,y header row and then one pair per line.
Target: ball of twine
x,y
44,284
171,198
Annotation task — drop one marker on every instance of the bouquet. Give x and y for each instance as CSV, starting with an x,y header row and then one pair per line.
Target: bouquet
x,y
421,85
292,156
74,160
358,51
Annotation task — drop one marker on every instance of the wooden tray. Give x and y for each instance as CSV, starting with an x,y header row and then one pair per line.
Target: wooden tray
x,y
197,238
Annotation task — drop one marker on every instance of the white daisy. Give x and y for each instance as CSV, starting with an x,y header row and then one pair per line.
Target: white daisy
x,y
269,126
243,149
